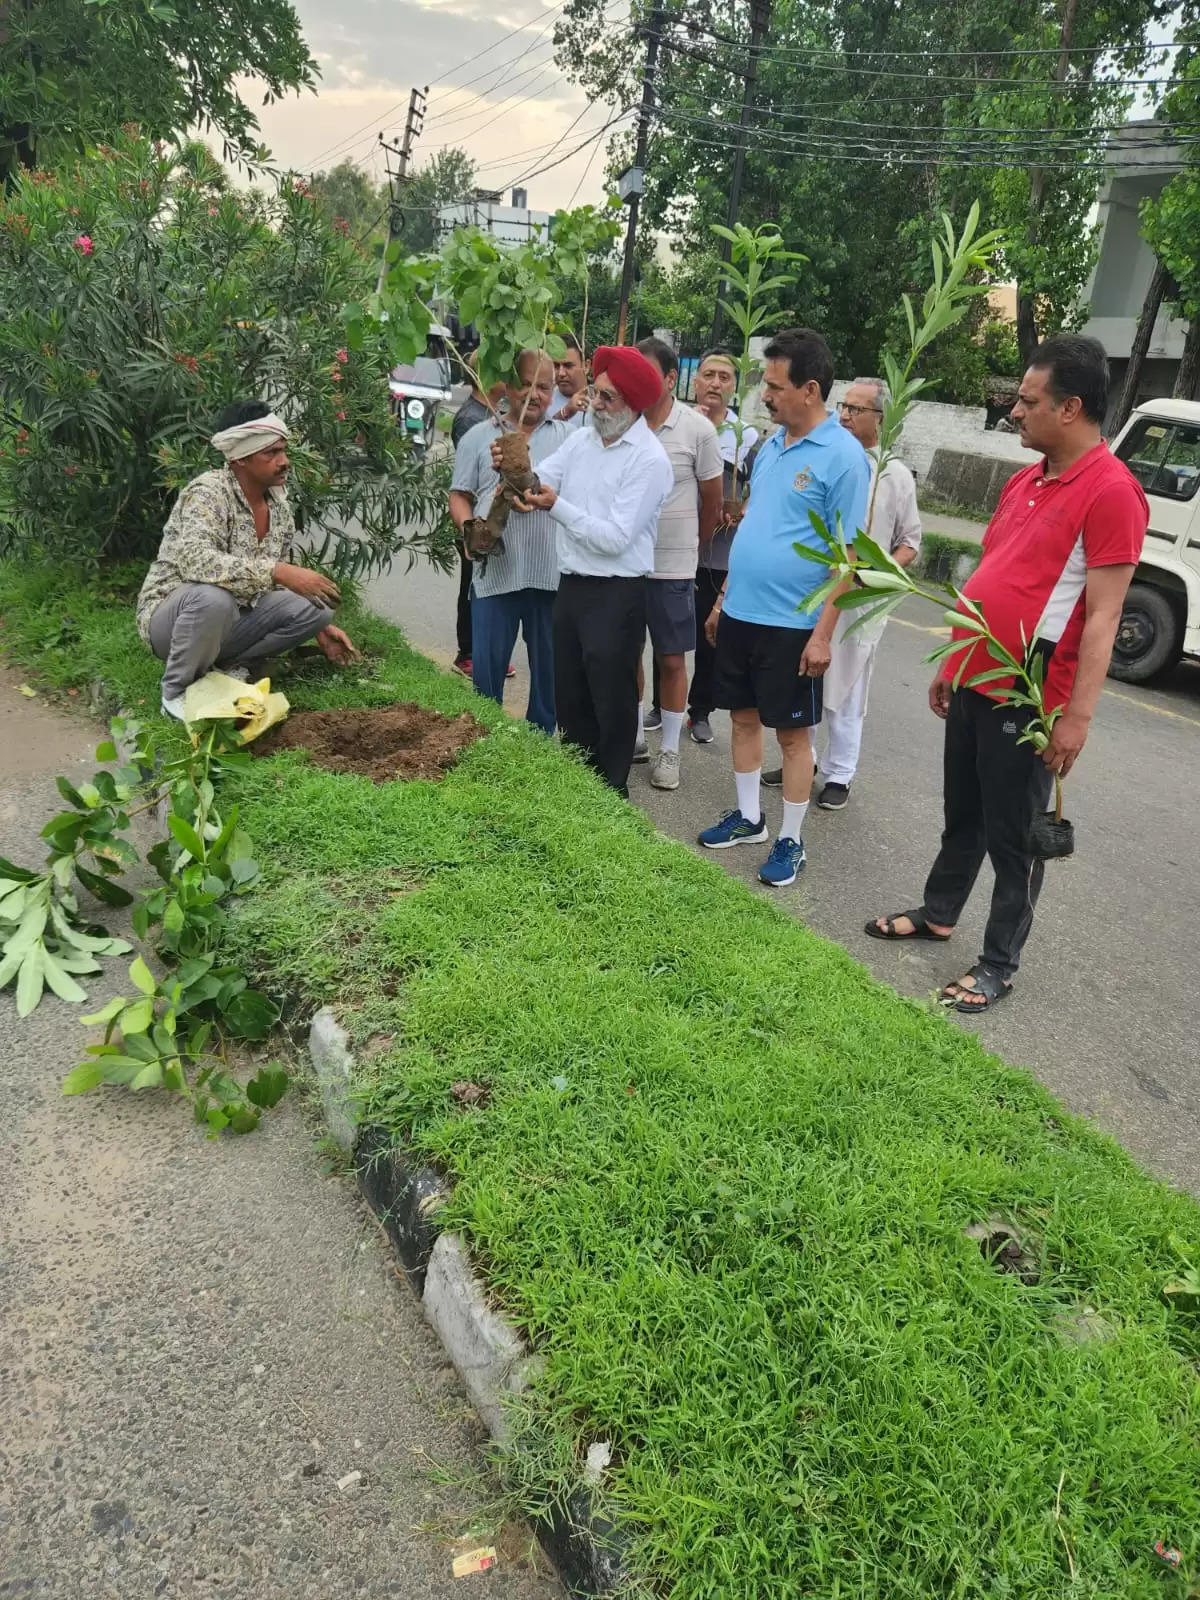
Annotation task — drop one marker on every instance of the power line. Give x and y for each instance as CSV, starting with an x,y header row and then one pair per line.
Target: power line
x,y
963,54
504,38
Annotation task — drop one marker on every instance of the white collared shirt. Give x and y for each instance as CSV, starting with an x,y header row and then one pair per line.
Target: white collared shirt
x,y
609,499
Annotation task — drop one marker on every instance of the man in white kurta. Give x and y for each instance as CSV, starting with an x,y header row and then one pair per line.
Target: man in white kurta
x,y
896,525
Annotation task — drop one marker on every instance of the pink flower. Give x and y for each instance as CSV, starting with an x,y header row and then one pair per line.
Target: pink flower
x,y
212,211
341,355
83,243
335,376
341,416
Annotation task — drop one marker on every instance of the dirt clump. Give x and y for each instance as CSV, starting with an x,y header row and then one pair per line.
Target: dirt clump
x,y
401,741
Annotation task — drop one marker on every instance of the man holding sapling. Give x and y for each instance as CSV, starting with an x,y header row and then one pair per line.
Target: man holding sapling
x,y
1058,555
604,488
219,593
771,654
691,514
513,587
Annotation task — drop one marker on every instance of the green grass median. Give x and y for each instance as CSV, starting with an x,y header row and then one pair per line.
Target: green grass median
x,y
720,1177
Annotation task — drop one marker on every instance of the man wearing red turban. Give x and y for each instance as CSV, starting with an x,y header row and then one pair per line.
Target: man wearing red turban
x,y
604,487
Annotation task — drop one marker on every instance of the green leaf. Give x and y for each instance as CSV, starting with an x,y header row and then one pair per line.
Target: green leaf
x,y
150,1077
106,751
827,558
111,894
70,794
187,836
241,1119
9,869
136,1018
106,1013
30,981
60,980
141,976
268,1086
250,1015
87,1075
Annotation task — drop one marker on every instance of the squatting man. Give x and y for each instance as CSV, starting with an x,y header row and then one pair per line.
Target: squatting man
x,y
220,593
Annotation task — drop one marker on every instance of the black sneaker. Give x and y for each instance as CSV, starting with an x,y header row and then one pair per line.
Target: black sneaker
x,y
833,796
774,778
652,721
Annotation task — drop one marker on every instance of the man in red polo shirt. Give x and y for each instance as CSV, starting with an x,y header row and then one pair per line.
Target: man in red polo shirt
x,y
1057,559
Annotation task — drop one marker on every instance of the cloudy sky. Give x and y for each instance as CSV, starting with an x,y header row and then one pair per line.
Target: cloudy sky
x,y
509,107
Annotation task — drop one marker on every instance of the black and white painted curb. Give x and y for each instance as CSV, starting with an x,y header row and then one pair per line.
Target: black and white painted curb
x,y
489,1355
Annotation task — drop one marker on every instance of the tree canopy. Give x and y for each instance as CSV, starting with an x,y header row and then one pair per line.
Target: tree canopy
x,y
72,72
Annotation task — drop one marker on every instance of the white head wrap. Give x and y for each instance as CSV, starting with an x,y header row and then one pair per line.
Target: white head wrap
x,y
249,437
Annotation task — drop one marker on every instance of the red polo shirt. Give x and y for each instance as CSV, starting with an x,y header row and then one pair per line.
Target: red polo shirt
x,y
1044,536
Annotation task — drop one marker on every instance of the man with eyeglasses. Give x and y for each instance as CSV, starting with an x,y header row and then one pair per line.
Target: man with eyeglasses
x,y
604,486
896,525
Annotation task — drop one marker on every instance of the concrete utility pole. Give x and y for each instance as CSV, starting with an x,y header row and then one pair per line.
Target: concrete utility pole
x,y
633,181
760,18
396,180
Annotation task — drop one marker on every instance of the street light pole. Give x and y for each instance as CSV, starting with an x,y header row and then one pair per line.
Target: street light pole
x,y
760,17
636,175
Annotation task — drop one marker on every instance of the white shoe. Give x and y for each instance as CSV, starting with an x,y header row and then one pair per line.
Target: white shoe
x,y
174,708
664,774
242,674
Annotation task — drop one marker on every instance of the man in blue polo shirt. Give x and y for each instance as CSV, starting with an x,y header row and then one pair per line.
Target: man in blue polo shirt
x,y
771,654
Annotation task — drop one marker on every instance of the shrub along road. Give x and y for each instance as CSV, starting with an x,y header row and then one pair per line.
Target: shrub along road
x,y
1103,1012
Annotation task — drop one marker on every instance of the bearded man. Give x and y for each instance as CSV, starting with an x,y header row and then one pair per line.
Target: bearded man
x,y
604,486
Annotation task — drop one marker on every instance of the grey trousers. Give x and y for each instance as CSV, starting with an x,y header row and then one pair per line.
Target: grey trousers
x,y
199,626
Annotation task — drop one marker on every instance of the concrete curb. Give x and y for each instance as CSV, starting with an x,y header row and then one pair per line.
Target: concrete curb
x,y
489,1355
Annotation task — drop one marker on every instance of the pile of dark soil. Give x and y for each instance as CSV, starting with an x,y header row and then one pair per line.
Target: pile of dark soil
x,y
402,741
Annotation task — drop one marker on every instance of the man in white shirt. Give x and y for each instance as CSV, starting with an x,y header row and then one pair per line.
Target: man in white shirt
x,y
896,525
691,514
716,383
604,487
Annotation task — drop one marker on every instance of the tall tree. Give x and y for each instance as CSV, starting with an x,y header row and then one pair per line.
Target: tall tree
x,y
72,72
351,203
448,176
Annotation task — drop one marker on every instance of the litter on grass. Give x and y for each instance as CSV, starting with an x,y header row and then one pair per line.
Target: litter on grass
x,y
474,1561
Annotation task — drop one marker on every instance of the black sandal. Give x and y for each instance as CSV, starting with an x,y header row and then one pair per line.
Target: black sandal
x,y
921,928
988,983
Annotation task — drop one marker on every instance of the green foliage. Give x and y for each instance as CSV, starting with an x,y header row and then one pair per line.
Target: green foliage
x,y
74,71
751,281
511,293
352,205
448,176
139,297
1171,222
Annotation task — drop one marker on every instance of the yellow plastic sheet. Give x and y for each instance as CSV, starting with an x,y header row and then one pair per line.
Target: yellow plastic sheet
x,y
217,696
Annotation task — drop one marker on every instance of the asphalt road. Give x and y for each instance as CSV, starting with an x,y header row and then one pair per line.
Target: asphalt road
x,y
1103,1012
202,1341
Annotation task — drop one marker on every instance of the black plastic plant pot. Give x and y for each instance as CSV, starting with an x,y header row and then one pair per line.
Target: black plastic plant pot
x,y
1051,840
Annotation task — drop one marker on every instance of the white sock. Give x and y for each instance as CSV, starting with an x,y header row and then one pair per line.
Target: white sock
x,y
747,794
793,818
641,738
671,729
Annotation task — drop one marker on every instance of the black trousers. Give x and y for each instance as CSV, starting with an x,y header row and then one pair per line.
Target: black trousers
x,y
992,789
462,620
599,625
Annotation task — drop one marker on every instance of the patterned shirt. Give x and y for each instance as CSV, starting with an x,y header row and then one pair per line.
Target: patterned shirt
x,y
210,538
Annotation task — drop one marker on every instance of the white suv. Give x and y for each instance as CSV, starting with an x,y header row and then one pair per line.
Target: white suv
x,y
1160,444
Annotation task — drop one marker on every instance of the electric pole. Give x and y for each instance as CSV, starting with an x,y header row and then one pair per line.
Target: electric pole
x,y
633,181
760,17
397,179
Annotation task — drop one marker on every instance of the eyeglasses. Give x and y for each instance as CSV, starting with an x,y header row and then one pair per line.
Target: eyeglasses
x,y
845,410
605,397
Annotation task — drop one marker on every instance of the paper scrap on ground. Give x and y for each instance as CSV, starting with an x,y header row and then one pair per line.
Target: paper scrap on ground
x,y
349,1480
474,1561
217,696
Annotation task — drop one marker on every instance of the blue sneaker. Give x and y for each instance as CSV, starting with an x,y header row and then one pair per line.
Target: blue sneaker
x,y
733,828
784,864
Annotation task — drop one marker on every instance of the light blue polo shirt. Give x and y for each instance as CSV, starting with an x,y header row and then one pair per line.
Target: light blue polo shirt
x,y
827,471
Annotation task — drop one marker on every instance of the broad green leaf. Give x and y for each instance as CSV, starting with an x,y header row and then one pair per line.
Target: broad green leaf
x,y
60,980
241,1119
141,976
250,1015
136,1018
187,836
70,794
827,558
268,1086
106,1013
106,751
111,894
30,981
9,869
150,1077
29,930
87,1075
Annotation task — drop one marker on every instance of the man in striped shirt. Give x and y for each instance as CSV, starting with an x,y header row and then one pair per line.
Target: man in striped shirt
x,y
513,588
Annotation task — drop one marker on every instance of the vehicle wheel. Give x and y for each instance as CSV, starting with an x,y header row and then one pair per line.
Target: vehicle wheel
x,y
1149,637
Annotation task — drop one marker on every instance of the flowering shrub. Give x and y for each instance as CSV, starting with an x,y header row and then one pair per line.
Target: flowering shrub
x,y
138,296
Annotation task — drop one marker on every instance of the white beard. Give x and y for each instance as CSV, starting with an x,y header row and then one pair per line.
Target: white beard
x,y
612,424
